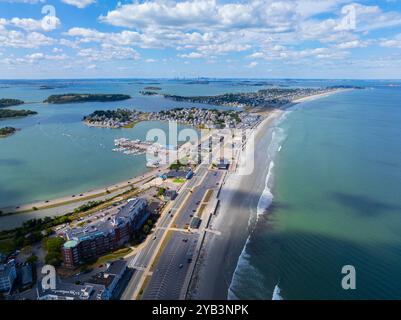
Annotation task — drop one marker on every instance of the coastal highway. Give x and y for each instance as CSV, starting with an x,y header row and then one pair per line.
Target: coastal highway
x,y
178,215
168,278
142,260
210,181
173,265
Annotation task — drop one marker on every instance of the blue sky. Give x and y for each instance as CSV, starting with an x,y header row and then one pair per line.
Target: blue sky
x,y
200,38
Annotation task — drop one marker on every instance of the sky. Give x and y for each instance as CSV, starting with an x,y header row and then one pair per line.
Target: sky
x,y
200,38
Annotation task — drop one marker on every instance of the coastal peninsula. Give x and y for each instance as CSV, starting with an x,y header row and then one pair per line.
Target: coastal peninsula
x,y
85,97
10,102
153,88
148,93
8,113
262,99
7,131
200,118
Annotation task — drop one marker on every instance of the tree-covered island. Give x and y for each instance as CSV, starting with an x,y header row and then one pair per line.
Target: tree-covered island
x,y
85,97
7,131
8,113
10,102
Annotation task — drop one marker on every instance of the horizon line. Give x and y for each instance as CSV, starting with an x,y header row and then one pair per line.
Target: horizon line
x,y
200,77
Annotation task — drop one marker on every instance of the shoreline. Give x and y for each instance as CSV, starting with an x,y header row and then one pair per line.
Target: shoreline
x,y
88,195
220,254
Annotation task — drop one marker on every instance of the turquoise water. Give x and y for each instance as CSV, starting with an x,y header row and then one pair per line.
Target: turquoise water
x,y
336,179
336,202
55,154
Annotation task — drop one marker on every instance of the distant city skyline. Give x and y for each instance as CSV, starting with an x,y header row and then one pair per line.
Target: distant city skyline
x,y
304,39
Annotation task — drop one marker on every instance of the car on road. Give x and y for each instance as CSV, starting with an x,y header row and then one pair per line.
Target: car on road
x,y
180,266
154,238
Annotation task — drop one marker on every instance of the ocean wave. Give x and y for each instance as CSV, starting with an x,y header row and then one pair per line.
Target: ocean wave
x,y
244,266
266,198
277,293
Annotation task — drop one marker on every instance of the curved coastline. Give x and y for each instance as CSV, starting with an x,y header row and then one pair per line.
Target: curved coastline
x,y
222,253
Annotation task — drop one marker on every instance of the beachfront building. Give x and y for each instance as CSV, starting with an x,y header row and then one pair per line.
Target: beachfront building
x,y
114,279
8,274
105,285
100,237
70,291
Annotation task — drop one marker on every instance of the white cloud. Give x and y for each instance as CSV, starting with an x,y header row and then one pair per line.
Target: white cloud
x,y
109,52
57,50
46,24
79,3
391,43
204,15
352,44
253,64
18,39
33,58
24,1
192,55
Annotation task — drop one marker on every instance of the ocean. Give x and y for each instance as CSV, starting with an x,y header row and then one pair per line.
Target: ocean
x,y
332,199
55,154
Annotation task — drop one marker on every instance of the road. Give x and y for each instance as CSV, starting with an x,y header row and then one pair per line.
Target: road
x,y
175,253
172,268
143,258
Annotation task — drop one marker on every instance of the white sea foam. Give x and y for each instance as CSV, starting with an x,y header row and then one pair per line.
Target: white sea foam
x,y
266,198
277,293
264,202
242,264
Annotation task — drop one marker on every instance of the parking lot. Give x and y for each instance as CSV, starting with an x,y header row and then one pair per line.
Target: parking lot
x,y
170,272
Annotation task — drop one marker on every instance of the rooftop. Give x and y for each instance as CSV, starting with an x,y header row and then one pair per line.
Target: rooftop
x,y
71,291
103,227
70,244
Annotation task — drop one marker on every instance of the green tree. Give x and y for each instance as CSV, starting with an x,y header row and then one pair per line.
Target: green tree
x,y
146,229
53,248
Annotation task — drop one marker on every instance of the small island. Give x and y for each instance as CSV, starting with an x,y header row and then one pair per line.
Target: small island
x,y
7,113
44,87
10,102
153,88
7,131
85,97
148,93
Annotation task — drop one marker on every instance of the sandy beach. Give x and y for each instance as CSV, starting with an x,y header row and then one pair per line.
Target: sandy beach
x,y
239,199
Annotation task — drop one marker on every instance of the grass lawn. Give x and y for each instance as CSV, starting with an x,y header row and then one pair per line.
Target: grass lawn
x,y
112,256
178,180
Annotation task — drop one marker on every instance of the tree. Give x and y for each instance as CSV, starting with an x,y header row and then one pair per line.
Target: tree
x,y
146,229
32,259
53,248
